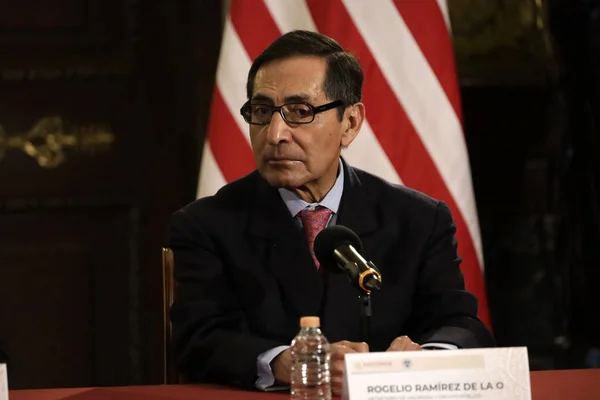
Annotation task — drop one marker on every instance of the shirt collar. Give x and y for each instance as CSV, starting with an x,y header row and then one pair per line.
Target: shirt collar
x,y
331,200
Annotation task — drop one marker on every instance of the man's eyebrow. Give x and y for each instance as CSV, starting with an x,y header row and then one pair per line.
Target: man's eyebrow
x,y
262,98
294,98
302,97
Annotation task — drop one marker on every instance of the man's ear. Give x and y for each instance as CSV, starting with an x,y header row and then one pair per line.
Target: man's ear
x,y
353,120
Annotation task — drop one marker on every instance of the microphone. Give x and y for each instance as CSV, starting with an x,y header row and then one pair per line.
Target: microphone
x,y
338,250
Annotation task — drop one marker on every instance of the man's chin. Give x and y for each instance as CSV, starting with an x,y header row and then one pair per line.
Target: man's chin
x,y
282,184
281,180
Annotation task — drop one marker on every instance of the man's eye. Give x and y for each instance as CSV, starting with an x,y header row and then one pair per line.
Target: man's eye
x,y
300,112
258,110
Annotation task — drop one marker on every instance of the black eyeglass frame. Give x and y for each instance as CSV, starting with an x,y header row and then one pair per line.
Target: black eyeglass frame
x,y
315,110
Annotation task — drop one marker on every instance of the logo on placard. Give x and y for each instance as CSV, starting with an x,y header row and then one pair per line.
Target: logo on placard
x,y
407,363
375,364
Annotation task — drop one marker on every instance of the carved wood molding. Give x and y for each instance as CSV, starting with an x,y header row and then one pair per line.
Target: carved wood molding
x,y
498,41
44,203
41,40
50,138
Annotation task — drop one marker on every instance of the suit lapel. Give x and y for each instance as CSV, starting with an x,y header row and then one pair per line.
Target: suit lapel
x,y
359,212
284,251
358,209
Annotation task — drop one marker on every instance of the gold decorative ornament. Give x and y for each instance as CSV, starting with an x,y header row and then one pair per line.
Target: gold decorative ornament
x,y
50,138
500,40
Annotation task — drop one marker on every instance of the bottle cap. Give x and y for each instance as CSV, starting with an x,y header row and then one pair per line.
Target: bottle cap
x,y
310,322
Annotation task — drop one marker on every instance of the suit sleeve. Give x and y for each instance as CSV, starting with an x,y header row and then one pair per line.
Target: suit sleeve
x,y
211,339
444,312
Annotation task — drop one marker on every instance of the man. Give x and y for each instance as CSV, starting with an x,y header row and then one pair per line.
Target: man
x,y
244,265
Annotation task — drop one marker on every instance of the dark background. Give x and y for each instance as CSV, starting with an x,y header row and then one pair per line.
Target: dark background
x,y
80,272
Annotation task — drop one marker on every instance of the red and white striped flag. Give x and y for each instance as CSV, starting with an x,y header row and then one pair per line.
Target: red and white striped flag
x,y
413,133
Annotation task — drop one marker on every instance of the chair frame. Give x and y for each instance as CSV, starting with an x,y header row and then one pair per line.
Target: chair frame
x,y
168,294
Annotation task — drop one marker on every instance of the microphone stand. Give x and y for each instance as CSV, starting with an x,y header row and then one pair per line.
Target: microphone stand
x,y
364,298
364,309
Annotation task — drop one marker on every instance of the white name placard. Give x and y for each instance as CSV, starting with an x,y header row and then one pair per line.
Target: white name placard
x,y
3,383
494,373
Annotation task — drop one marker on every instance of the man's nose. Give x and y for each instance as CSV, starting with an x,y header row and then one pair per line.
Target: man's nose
x,y
278,131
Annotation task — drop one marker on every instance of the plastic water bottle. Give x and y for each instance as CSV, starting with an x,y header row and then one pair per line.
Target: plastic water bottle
x,y
311,362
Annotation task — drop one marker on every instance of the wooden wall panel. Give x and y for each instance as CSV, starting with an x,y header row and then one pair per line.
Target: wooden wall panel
x,y
66,303
130,83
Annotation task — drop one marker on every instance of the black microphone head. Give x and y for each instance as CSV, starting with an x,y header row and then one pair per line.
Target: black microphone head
x,y
331,238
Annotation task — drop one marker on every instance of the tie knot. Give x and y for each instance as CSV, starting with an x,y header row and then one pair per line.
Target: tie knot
x,y
315,217
314,221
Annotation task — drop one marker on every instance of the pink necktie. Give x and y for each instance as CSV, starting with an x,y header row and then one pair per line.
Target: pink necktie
x,y
314,221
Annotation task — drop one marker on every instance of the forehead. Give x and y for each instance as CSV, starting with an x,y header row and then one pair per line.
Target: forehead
x,y
291,76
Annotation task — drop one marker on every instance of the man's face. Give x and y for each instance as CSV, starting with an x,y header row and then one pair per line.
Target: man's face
x,y
288,155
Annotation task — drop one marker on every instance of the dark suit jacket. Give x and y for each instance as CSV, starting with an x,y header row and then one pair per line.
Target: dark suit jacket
x,y
245,276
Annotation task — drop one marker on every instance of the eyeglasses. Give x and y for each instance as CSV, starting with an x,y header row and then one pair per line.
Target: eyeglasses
x,y
292,113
